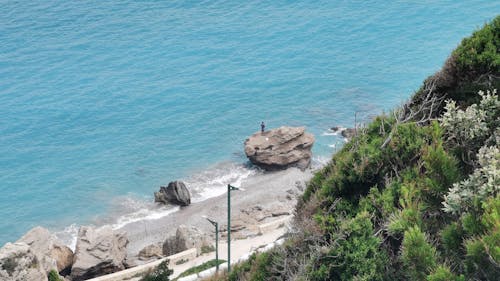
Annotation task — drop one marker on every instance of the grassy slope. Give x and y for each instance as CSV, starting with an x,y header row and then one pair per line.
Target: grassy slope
x,y
375,211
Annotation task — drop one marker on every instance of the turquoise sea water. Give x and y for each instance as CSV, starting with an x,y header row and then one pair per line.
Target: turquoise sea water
x,y
103,101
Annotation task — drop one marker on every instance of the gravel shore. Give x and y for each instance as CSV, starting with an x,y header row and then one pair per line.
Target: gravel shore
x,y
266,196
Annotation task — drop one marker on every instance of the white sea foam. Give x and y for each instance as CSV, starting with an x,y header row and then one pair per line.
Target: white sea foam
x,y
213,181
128,209
68,236
144,214
331,132
319,162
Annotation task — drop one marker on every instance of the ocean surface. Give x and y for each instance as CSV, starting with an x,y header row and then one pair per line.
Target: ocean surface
x,y
101,102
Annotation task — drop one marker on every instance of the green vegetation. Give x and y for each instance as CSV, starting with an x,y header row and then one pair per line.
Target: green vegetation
x,y
161,273
181,261
201,267
207,249
54,276
415,195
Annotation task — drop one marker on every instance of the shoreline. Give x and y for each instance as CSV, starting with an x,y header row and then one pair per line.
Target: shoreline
x,y
266,198
264,194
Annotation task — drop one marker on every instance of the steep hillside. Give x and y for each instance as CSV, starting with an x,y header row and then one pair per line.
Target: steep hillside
x,y
415,195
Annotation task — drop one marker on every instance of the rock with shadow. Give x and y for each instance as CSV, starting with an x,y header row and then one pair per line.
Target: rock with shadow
x,y
175,193
280,148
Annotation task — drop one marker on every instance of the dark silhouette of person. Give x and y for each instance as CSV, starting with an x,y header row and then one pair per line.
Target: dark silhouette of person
x,y
262,127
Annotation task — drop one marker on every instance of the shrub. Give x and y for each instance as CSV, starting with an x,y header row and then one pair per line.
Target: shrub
x,y
419,257
443,273
451,240
201,267
207,249
483,250
254,269
410,213
479,53
358,256
161,273
484,182
54,276
441,168
472,128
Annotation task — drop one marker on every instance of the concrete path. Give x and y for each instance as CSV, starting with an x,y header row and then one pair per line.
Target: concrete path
x,y
239,249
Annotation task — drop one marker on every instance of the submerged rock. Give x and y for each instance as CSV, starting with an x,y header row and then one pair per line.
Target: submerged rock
x,y
19,263
98,252
176,193
280,148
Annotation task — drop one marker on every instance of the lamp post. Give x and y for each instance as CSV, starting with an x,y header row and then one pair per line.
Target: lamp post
x,y
216,224
229,188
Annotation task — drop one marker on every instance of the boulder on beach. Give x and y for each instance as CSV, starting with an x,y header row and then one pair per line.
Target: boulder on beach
x,y
153,251
280,148
19,263
50,252
186,237
98,252
175,193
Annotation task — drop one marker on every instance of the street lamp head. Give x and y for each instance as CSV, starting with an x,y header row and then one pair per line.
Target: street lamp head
x,y
210,220
235,188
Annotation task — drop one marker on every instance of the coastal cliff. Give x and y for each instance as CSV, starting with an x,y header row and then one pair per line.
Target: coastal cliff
x,y
415,194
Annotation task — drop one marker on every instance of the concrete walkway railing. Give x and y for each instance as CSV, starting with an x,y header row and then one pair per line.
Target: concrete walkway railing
x,y
142,269
190,254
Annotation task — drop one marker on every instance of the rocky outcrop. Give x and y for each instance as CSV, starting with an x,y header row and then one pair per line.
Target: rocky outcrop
x,y
153,251
347,133
51,253
186,237
176,193
19,263
280,148
98,252
64,258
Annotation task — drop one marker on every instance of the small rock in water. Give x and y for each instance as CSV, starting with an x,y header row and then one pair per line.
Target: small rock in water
x,y
175,193
348,133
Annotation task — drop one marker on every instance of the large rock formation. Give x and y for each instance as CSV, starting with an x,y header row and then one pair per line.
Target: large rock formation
x,y
176,193
186,237
50,252
98,252
280,148
19,263
32,256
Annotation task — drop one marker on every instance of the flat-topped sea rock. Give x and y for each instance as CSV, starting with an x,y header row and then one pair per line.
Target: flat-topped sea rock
x,y
280,148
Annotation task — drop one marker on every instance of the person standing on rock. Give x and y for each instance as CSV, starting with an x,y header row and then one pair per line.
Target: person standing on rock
x,y
262,127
